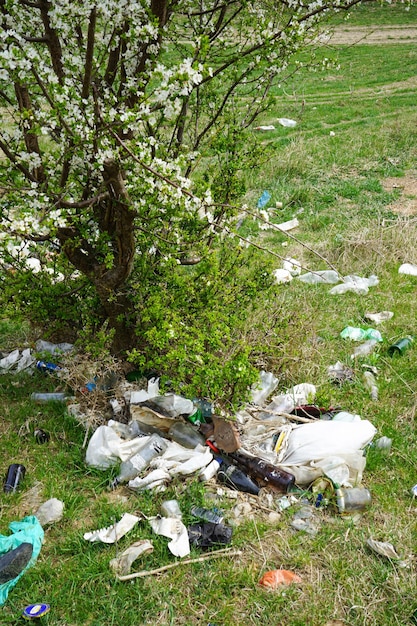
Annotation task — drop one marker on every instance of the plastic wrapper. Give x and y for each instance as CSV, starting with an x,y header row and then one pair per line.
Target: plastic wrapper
x,y
277,577
121,564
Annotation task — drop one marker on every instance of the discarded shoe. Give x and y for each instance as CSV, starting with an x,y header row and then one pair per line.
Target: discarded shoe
x,y
14,562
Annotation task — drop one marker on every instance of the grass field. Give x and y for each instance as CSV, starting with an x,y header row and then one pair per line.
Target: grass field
x,y
346,171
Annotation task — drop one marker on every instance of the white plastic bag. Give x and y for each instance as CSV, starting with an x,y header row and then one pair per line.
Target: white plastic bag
x,y
261,390
321,439
408,268
320,276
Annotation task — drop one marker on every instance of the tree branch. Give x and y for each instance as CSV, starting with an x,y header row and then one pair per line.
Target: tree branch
x,y
88,67
53,41
12,157
31,139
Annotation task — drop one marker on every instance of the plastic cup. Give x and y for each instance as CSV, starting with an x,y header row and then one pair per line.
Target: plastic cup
x,y
171,508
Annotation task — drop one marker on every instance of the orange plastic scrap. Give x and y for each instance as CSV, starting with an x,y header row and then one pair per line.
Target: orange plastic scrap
x,y
274,578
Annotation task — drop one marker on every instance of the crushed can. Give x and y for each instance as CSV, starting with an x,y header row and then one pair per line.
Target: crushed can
x,y
14,477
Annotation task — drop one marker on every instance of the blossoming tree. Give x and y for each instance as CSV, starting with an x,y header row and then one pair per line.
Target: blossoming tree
x,y
111,114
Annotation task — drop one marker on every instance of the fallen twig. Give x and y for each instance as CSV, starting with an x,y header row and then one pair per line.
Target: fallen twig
x,y
289,416
205,557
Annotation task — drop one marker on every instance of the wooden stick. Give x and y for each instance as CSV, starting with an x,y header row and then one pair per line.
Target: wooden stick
x,y
205,557
289,416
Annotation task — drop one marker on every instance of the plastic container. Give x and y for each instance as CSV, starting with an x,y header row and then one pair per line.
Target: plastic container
x,y
208,515
50,397
400,346
210,471
353,499
171,508
186,435
15,474
138,462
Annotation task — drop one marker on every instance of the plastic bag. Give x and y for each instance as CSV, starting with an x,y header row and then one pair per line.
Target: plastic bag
x,y
173,405
264,387
282,276
27,530
356,284
408,268
319,277
287,123
359,334
312,442
106,448
50,511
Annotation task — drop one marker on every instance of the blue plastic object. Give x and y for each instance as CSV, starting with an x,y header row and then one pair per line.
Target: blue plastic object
x,y
263,200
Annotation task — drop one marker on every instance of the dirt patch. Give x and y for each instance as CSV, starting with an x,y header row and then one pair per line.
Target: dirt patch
x,y
407,186
349,35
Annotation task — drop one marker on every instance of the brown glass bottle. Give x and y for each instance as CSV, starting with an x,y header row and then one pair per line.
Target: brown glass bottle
x,y
265,474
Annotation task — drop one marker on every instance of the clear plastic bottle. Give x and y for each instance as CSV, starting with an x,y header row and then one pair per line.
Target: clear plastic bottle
x,y
370,383
215,516
138,462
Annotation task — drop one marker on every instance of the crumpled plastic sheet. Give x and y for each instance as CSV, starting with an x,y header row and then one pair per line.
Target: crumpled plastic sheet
x,y
173,529
106,448
27,530
121,564
112,534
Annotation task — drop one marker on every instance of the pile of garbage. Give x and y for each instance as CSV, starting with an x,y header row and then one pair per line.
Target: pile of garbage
x,y
280,448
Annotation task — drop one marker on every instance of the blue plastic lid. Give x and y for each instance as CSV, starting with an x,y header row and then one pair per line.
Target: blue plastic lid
x,y
35,610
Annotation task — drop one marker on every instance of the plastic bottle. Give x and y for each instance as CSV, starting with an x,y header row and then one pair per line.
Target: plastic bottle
x,y
265,474
186,435
50,397
352,499
364,348
138,462
14,476
233,477
383,443
208,515
370,383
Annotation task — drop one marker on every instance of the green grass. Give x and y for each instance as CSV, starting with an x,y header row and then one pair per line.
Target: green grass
x,y
380,13
334,184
